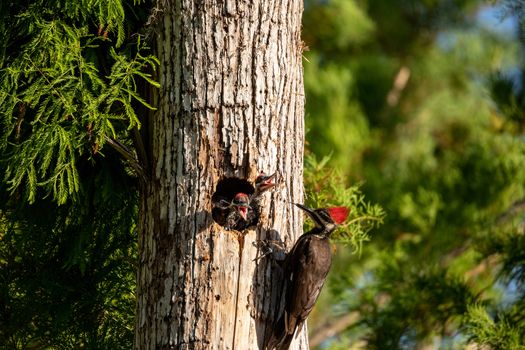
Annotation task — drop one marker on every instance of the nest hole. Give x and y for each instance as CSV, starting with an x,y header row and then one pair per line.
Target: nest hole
x,y
230,186
226,189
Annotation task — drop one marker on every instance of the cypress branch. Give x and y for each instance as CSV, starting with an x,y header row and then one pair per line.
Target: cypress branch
x,y
128,155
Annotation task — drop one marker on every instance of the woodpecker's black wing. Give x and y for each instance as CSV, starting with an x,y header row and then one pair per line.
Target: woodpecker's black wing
x,y
305,270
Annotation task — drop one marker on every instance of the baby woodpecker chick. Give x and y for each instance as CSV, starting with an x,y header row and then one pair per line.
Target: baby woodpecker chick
x,y
243,210
221,208
238,212
263,183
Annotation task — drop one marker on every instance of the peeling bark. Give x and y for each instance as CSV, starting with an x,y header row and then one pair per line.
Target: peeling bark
x,y
231,104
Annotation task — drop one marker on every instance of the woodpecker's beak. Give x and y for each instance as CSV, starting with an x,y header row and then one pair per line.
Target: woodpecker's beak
x,y
312,214
243,211
267,182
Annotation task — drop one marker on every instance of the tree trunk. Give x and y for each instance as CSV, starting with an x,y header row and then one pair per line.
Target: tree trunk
x,y
231,105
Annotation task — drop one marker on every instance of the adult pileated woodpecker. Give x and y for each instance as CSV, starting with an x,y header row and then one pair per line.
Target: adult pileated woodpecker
x,y
305,269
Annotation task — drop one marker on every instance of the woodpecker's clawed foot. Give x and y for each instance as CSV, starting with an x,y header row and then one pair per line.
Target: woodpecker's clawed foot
x,y
264,247
267,247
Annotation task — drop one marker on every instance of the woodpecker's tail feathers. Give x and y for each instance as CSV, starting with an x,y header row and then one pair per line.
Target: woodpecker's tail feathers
x,y
278,332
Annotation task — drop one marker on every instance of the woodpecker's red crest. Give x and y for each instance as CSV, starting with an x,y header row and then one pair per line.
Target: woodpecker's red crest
x,y
242,202
338,214
241,199
326,219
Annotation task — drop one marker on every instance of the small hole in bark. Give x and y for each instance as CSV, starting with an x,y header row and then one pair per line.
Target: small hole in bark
x,y
226,190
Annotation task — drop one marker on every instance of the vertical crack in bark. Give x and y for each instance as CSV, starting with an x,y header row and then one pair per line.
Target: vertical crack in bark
x,y
238,287
255,45
195,258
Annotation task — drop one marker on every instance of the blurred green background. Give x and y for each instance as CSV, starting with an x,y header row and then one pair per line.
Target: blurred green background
x,y
422,103
416,105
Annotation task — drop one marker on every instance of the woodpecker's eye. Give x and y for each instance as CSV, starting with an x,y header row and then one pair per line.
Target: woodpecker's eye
x,y
325,216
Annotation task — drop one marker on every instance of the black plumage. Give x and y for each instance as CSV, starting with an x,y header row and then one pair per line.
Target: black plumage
x,y
305,269
221,208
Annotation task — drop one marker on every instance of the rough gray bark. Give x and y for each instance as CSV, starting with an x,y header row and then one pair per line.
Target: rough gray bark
x,y
231,104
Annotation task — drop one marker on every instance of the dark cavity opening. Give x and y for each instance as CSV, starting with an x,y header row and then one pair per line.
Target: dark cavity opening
x,y
225,191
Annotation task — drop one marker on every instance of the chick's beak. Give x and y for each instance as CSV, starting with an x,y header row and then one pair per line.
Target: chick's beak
x,y
268,182
243,211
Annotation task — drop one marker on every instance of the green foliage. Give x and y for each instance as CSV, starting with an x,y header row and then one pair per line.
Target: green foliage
x,y
63,93
340,128
70,75
21,19
502,334
67,273
326,188
420,103
436,309
335,33
426,110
